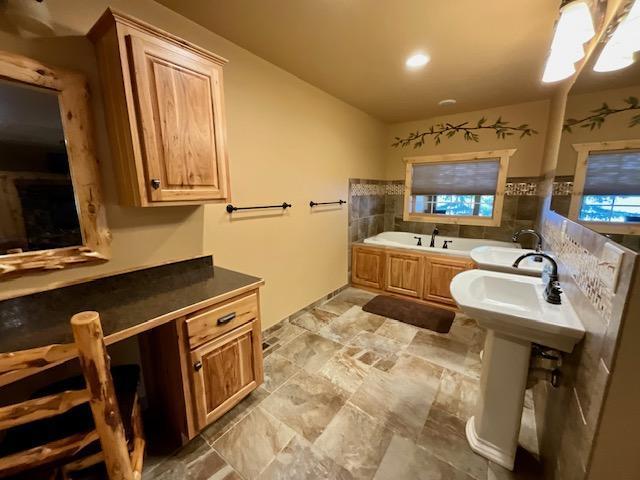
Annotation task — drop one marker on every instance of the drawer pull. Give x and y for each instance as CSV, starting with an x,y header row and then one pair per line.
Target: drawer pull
x,y
226,318
197,366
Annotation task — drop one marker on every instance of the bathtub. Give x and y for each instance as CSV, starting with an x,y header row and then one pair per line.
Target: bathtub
x,y
459,246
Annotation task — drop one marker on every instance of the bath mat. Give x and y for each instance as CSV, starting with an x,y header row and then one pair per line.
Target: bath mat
x,y
413,313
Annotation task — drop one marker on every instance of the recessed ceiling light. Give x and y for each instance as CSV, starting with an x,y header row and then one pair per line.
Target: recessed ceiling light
x,y
417,60
447,102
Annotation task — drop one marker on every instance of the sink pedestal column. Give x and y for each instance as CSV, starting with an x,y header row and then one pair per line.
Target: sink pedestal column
x,y
494,429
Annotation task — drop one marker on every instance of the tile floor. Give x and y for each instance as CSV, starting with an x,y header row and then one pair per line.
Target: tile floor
x,y
352,395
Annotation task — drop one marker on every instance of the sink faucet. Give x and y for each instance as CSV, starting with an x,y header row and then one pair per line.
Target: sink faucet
x,y
419,241
552,291
530,231
435,232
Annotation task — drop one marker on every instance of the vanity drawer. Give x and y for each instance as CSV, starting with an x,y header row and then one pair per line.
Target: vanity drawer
x,y
212,322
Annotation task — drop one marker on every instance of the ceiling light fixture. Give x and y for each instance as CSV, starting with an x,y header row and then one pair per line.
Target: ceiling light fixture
x,y
620,49
447,102
417,60
573,30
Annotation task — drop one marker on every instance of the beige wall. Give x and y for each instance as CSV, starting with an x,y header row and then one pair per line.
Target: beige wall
x,y
526,162
615,126
287,141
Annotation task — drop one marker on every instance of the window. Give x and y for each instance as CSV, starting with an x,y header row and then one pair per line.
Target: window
x,y
462,188
606,195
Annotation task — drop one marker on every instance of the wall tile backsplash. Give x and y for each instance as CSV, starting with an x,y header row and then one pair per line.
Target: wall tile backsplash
x,y
583,266
568,417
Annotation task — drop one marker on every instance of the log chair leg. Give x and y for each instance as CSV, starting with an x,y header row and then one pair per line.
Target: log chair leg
x,y
139,441
95,364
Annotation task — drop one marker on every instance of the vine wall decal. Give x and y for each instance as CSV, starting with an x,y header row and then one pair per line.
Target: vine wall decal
x,y
470,131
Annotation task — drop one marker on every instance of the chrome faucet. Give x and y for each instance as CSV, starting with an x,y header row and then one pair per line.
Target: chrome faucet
x,y
516,236
552,291
435,232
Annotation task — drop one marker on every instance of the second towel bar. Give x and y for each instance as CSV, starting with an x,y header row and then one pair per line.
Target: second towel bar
x,y
284,206
313,204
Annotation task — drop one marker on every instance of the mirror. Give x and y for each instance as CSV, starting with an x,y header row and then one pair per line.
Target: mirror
x,y
36,192
52,213
597,178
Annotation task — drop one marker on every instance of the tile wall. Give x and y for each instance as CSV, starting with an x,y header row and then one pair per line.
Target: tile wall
x,y
377,206
568,417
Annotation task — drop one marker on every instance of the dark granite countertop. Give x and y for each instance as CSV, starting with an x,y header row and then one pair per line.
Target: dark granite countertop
x,y
124,301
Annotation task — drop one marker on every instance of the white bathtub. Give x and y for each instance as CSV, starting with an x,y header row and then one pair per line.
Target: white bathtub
x,y
459,246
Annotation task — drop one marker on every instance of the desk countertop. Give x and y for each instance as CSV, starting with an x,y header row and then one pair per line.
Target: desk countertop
x,y
128,303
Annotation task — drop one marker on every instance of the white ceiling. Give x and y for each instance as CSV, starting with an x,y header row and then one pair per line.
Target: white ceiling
x,y
483,52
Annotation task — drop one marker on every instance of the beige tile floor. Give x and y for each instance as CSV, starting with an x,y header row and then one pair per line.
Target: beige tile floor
x,y
351,395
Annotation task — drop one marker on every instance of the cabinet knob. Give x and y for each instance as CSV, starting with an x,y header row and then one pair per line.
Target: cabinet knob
x,y
155,183
197,366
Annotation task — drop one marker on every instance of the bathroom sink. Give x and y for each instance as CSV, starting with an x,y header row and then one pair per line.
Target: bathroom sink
x,y
500,259
512,309
514,305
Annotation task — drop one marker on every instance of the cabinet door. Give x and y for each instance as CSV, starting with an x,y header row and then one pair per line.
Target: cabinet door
x,y
367,267
179,105
404,274
438,274
224,371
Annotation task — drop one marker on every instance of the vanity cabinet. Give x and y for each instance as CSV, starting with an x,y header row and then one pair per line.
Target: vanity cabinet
x,y
367,267
165,114
224,371
425,277
211,360
403,274
438,273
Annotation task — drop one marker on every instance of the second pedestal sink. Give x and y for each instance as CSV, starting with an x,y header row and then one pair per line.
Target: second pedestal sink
x,y
500,259
514,312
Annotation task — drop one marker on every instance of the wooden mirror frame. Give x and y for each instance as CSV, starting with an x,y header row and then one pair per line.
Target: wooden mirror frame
x,y
75,113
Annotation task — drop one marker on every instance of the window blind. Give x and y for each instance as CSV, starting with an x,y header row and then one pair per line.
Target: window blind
x,y
613,173
456,178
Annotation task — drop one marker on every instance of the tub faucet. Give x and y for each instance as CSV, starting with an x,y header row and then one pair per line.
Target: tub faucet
x,y
530,231
552,291
435,232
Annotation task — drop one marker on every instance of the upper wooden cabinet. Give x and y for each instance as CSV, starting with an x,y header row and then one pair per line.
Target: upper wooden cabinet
x,y
165,112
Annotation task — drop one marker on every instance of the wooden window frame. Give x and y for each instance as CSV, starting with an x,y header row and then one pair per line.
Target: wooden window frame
x,y
493,221
580,177
75,113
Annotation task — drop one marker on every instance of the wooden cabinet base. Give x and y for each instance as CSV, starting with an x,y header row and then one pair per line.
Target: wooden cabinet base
x,y
188,387
421,277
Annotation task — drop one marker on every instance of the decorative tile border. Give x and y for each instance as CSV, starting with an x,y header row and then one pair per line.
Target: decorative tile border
x,y
526,189
395,189
583,266
521,189
562,188
361,189
512,188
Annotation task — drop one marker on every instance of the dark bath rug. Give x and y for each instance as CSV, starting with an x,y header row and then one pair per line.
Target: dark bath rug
x,y
413,313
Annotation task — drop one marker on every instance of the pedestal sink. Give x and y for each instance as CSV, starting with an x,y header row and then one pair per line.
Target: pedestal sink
x,y
500,259
512,309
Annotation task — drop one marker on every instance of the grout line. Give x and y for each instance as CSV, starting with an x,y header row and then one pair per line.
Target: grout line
x,y
228,463
575,394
